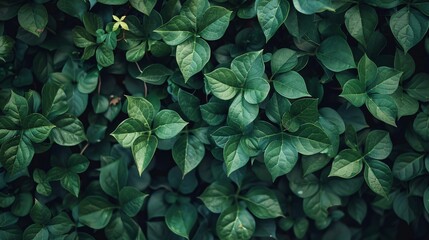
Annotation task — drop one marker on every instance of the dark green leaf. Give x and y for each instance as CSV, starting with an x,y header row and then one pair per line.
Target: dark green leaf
x,y
192,55
68,131
95,212
335,54
180,218
378,176
271,15
263,203
33,17
235,222
131,200
214,23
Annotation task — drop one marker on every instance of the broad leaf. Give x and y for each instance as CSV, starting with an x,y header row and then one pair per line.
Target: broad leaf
x,y
354,91
188,152
214,23
54,101
248,65
378,176
167,124
408,166
192,55
310,139
291,85
347,164
33,17
16,154
335,54
241,113
386,81
256,90
361,21
141,109
382,107
223,83
143,149
378,144
234,155
218,196
235,223
129,130
280,157
180,218
131,200
68,131
271,15
95,212
418,87
409,27
176,31
283,60
263,203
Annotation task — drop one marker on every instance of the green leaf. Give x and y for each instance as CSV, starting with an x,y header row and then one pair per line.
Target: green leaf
x,y
214,112
6,46
335,54
367,70
155,74
33,18
347,164
256,90
271,15
88,83
301,111
218,196
316,206
354,90
192,55
16,154
223,134
383,108
234,155
409,27
60,224
40,213
176,31
361,21
283,60
180,218
136,53
143,6
37,127
167,124
310,139
35,231
194,10
104,55
54,101
100,103
235,223
75,8
241,113
357,209
141,109
188,152
16,108
82,38
214,23
131,200
113,2
421,125
248,65
426,199
92,22
310,6
280,157
69,130
113,177
291,85
71,182
276,107
263,203
129,130
143,149
386,81
378,177
95,212
406,104
378,144
8,129
22,205
189,104
418,87
406,207
223,83
408,166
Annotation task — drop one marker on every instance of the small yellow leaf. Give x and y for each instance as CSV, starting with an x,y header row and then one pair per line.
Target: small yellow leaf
x,y
124,26
123,18
116,18
115,26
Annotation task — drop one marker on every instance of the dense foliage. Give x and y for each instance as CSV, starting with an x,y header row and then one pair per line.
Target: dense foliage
x,y
220,119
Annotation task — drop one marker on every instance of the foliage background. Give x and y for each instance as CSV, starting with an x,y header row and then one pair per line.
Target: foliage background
x,y
223,119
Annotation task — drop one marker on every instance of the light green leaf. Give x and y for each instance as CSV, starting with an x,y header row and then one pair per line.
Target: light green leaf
x,y
256,90
335,54
248,65
347,164
143,6
136,53
176,31
71,182
354,91
180,218
263,203
141,109
241,113
95,212
367,70
33,17
383,108
54,101
223,83
143,149
167,124
310,6
409,27
214,23
386,81
234,155
16,154
69,130
36,127
283,60
188,152
192,55
280,157
378,177
310,139
129,130
131,200
408,166
218,196
235,223
271,15
378,144
361,21
155,74
113,2
291,85
88,83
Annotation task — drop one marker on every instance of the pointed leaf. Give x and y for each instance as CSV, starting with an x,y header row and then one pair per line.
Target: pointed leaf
x,y
192,55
